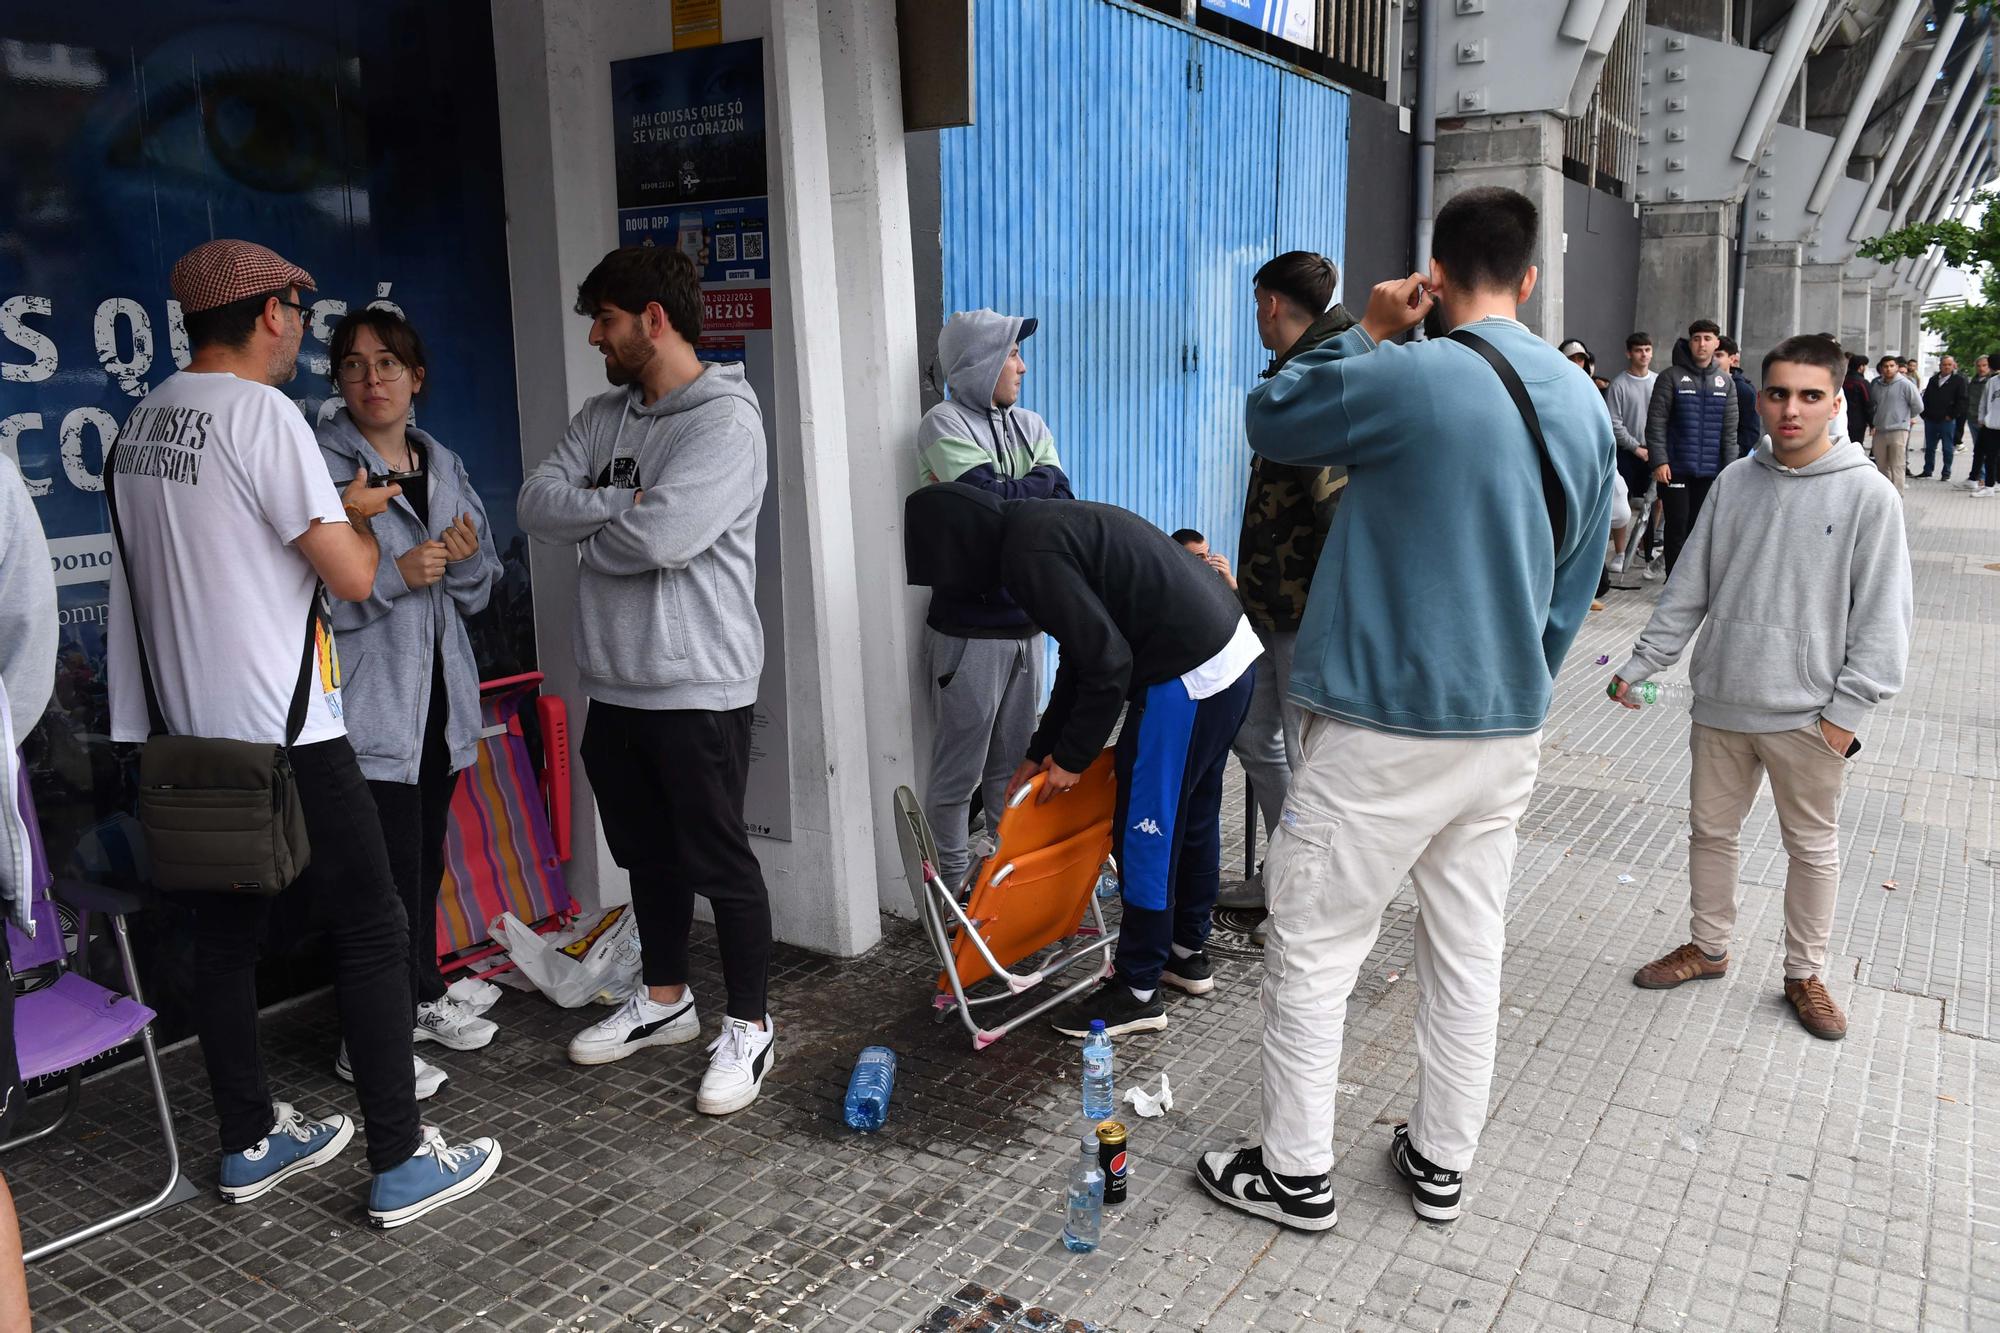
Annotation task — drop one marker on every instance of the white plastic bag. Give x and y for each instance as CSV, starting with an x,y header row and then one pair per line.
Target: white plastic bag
x,y
596,962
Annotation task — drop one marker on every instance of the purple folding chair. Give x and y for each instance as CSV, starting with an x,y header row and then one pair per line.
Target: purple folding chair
x,y
63,1025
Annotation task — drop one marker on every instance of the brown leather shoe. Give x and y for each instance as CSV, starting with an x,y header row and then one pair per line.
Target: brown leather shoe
x,y
1818,1014
1687,963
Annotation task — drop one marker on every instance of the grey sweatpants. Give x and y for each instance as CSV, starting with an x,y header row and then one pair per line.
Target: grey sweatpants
x,y
1268,741
983,694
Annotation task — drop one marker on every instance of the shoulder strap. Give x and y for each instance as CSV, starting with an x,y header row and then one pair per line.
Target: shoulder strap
x,y
155,722
295,716
1552,491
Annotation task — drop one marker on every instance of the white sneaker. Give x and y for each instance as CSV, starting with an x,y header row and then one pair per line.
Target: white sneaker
x,y
473,994
449,1023
738,1061
429,1077
638,1023
1617,565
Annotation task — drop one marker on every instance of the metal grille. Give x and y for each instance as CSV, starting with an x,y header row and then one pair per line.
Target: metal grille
x,y
1601,146
1358,34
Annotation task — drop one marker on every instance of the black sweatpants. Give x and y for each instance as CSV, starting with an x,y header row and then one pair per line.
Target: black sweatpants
x,y
1683,498
669,786
1986,457
352,896
415,817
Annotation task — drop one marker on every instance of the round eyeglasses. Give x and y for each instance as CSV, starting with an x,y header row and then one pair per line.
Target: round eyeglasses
x,y
355,369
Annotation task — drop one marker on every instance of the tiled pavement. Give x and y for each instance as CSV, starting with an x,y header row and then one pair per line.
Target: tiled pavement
x,y
1654,1161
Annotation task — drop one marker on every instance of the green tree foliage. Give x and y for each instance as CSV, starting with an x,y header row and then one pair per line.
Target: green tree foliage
x,y
1973,329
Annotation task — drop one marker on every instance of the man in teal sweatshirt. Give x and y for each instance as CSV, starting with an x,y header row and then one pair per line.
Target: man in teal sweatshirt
x,y
1799,567
1424,684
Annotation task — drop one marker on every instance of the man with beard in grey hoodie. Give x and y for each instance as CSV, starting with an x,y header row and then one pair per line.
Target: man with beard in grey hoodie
x,y
982,654
658,483
1799,567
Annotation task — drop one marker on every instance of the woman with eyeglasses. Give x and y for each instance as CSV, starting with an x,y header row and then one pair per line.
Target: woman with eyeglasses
x,y
410,692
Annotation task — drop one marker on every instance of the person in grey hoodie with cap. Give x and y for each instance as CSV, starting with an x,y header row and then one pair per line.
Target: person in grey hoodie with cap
x,y
658,483
1799,568
982,655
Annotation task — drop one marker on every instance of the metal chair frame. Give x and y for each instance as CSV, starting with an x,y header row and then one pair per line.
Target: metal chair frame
x,y
939,909
89,900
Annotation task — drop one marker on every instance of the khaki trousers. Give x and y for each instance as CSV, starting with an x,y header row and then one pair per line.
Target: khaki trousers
x,y
1892,454
1806,775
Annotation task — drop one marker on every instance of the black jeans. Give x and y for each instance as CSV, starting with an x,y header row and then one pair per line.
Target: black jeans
x,y
669,787
1682,498
1986,457
415,816
352,895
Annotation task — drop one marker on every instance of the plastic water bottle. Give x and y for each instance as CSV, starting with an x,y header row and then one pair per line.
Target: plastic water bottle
x,y
1107,882
1652,693
1098,1103
1084,1212
868,1089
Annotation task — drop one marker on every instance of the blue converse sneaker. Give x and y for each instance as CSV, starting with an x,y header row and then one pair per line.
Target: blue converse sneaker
x,y
294,1144
433,1176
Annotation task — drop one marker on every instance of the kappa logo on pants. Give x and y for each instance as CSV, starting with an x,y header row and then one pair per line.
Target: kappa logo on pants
x,y
1149,826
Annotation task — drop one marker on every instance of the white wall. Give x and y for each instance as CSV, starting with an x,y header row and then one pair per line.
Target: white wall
x,y
839,238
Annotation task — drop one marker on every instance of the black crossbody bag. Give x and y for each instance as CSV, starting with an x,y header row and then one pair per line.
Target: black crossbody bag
x,y
220,815
1552,491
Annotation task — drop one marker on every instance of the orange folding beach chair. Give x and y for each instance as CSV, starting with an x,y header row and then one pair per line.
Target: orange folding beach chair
x,y
1032,894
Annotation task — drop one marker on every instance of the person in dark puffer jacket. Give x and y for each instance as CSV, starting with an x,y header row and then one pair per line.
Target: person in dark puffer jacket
x,y
1691,428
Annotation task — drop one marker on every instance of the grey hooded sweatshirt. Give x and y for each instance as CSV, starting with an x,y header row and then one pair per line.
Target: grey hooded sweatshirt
x,y
662,503
27,668
391,643
1803,579
1007,451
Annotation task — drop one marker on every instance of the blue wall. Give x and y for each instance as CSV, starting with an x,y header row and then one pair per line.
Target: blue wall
x,y
1124,180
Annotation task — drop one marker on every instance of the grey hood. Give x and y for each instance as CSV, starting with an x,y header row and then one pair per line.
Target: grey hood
x,y
973,349
1844,455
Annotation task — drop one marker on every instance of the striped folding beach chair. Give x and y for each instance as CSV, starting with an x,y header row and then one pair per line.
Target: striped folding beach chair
x,y
501,854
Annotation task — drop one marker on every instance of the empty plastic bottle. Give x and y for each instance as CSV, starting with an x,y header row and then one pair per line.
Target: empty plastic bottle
x,y
868,1089
1084,1212
1107,882
1098,1102
1652,693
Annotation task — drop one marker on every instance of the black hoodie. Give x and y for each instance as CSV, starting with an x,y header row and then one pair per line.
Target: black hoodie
x,y
1128,606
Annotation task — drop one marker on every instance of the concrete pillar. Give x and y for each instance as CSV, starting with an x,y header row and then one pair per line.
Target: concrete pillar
x,y
1522,152
1819,299
1683,267
1913,328
878,357
1856,316
560,180
1770,301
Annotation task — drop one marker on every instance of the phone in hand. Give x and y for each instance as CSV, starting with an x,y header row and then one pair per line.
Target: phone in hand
x,y
393,478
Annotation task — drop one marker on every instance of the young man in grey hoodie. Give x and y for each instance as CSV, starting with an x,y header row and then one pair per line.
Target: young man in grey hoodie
x,y
982,655
1799,566
658,483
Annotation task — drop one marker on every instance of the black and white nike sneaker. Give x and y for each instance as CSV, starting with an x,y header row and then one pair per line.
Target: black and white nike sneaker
x,y
1434,1192
1241,1180
640,1022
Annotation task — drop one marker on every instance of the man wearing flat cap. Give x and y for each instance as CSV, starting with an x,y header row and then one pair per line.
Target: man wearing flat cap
x,y
227,527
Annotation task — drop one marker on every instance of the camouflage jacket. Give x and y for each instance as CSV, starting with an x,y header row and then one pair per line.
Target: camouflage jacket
x,y
1287,514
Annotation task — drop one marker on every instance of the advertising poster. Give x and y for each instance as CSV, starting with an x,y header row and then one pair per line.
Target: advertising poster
x,y
692,172
133,132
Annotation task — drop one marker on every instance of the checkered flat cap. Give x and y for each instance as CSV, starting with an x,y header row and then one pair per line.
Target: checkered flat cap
x,y
218,272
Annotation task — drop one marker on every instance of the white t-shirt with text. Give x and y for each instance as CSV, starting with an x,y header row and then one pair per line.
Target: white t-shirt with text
x,y
216,478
